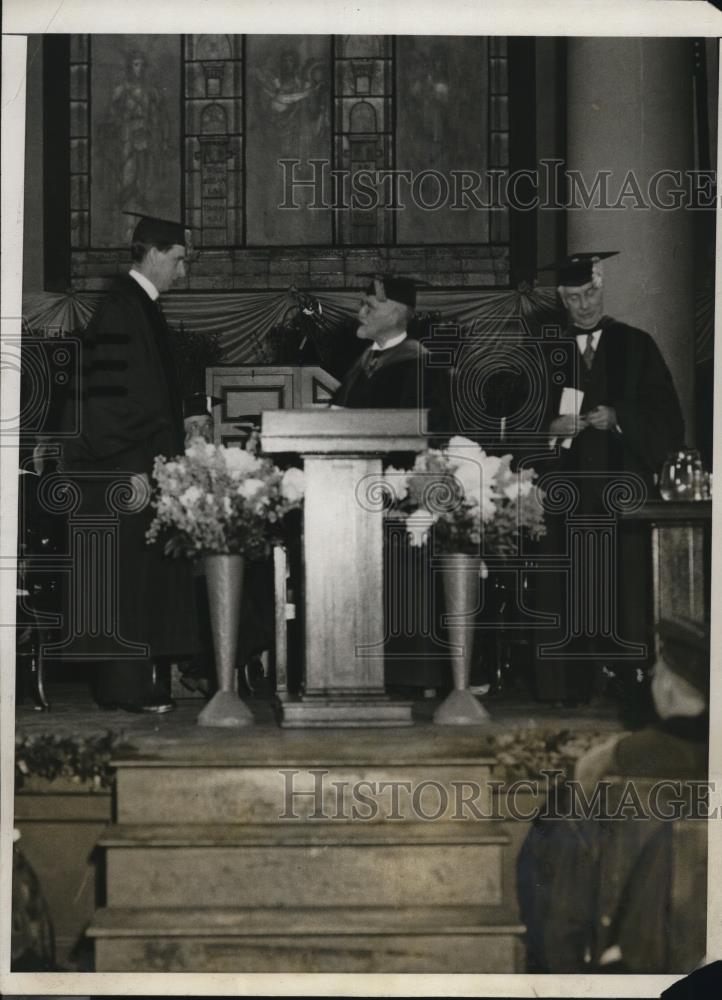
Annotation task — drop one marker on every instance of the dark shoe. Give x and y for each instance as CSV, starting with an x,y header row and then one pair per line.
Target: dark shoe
x,y
160,707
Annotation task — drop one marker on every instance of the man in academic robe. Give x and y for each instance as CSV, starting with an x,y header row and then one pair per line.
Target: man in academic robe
x,y
394,373
132,411
612,410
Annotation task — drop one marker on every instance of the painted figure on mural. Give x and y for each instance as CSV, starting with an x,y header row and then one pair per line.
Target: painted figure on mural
x,y
432,90
142,131
296,96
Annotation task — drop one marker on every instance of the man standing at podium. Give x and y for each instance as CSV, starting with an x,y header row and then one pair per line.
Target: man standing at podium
x,y
392,372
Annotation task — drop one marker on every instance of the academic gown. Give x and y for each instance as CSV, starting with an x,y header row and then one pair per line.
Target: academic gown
x,y
132,412
416,651
629,374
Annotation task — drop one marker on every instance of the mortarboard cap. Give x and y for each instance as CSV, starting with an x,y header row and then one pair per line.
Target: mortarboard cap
x,y
393,286
685,648
159,231
199,405
577,268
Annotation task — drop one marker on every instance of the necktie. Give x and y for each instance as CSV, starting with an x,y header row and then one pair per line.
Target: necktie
x,y
372,362
588,355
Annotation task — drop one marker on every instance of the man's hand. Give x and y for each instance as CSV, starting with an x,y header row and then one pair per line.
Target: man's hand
x,y
198,426
568,425
602,418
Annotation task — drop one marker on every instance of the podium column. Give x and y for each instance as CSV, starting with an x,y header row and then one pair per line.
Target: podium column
x,y
343,560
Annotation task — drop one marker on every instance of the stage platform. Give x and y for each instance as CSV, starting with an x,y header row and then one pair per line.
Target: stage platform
x,y
278,850
75,714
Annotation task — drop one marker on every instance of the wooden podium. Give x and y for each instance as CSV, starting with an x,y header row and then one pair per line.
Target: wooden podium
x,y
342,452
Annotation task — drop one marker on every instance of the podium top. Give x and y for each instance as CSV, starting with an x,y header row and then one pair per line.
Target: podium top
x,y
342,431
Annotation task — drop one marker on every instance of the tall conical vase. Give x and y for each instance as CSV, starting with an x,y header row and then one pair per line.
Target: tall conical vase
x,y
224,580
460,580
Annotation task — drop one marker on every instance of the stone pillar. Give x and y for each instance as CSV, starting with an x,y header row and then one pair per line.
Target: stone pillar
x,y
630,108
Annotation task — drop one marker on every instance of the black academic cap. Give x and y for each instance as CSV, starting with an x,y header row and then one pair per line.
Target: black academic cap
x,y
199,405
576,269
685,648
159,231
393,286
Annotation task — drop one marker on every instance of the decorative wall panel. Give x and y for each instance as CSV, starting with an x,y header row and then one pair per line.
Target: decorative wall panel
x,y
134,133
289,118
442,129
196,127
213,71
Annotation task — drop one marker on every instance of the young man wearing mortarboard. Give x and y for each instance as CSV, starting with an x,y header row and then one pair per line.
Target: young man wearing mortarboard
x,y
615,410
132,410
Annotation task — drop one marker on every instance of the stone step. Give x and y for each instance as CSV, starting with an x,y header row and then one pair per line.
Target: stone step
x,y
304,865
449,939
291,792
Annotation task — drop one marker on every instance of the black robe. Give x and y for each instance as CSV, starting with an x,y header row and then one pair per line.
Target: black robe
x,y
629,374
403,379
131,412
398,380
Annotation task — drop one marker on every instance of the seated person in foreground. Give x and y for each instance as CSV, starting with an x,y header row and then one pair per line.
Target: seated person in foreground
x,y
596,894
675,744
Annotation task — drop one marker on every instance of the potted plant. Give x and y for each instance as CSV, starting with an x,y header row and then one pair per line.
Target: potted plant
x,y
470,505
225,505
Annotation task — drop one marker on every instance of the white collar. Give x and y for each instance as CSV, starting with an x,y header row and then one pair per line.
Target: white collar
x,y
582,340
145,283
398,339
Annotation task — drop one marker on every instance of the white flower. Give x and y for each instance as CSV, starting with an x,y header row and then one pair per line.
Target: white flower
x,y
293,485
227,505
200,450
191,496
487,504
490,466
459,445
240,462
418,525
399,481
250,487
468,474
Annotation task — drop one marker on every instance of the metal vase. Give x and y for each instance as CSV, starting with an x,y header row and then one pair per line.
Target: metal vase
x,y
460,580
224,580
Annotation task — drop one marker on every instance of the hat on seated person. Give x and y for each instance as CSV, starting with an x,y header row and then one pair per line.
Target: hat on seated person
x,y
685,650
578,268
393,286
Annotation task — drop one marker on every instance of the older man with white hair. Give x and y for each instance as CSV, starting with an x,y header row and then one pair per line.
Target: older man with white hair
x,y
612,410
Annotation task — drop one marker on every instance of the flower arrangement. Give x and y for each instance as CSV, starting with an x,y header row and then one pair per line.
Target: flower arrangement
x,y
221,500
83,760
475,503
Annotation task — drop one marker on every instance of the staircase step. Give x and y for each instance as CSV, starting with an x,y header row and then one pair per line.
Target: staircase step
x,y
265,794
304,865
443,939
271,835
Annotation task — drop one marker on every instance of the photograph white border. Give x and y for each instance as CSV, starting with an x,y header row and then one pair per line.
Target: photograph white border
x,y
678,18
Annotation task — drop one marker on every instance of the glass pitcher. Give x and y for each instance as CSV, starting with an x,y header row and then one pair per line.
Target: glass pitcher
x,y
682,476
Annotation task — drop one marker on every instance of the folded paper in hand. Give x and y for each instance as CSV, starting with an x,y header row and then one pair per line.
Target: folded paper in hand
x,y
570,403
